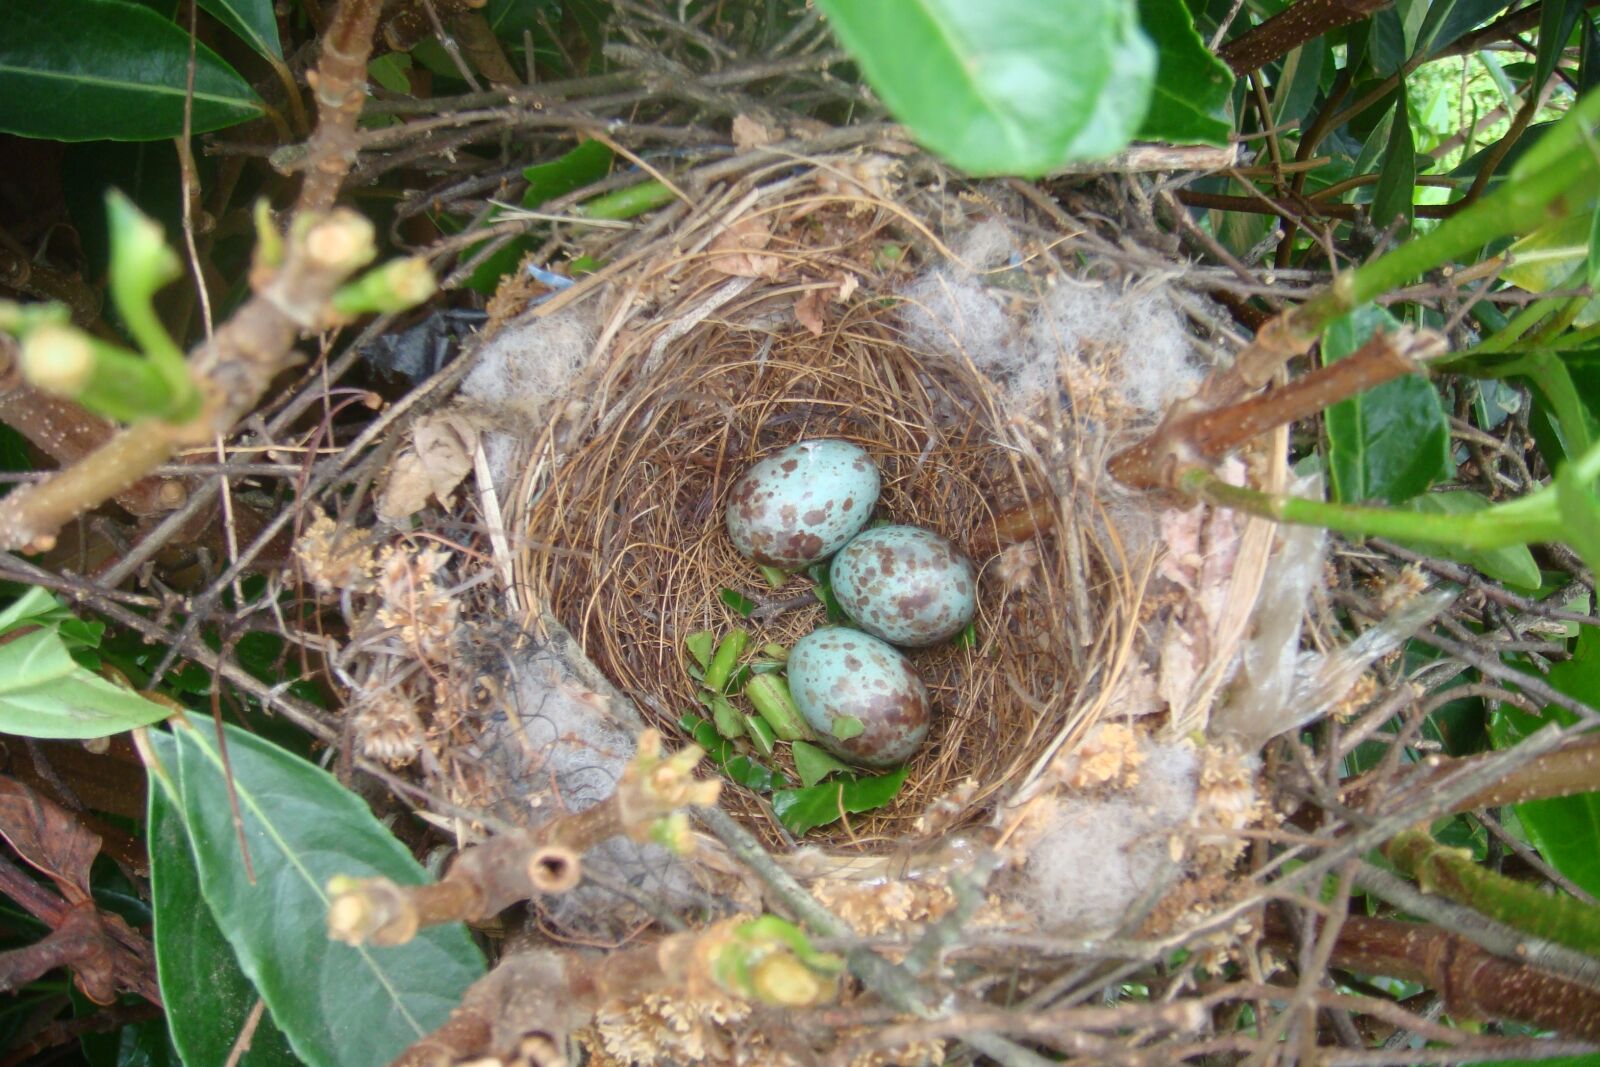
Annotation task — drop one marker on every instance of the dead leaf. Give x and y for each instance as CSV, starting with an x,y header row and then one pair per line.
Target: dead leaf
x,y
437,460
847,289
733,250
749,133
808,309
49,838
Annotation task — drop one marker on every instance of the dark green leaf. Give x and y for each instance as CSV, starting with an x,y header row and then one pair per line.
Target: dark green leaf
x,y
1189,102
508,18
1389,443
823,590
252,20
1005,87
45,693
89,70
752,775
1450,20
1394,196
1513,564
803,810
584,165
1556,20
737,601
337,1004
208,997
742,769
1565,830
813,764
1300,80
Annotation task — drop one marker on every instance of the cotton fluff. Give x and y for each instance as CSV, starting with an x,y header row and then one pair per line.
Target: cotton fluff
x,y
1090,335
519,377
1092,857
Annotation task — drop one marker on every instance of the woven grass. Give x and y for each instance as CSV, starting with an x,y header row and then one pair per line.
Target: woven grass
x,y
627,544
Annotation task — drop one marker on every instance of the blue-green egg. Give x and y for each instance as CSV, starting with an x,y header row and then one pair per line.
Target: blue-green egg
x,y
906,585
803,503
860,695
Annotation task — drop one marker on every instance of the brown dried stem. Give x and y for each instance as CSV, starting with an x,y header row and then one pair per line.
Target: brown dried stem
x,y
517,865
1472,981
1191,434
1289,29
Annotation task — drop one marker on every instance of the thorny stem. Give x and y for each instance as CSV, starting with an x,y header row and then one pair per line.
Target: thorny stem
x,y
1453,873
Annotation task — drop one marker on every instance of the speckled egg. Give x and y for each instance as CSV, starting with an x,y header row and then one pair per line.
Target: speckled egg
x,y
860,695
802,504
906,585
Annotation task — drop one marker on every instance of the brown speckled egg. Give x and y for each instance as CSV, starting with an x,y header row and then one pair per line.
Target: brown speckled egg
x,y
802,504
906,585
860,695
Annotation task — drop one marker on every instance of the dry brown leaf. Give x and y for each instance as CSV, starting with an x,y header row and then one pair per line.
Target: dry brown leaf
x,y
808,309
847,289
749,133
437,460
733,250
49,838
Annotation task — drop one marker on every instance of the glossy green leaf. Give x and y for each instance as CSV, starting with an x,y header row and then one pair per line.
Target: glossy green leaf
x,y
1556,20
1394,195
1389,443
45,693
803,810
1565,830
1008,86
208,997
1193,88
252,20
1513,564
1450,20
89,70
813,764
337,1004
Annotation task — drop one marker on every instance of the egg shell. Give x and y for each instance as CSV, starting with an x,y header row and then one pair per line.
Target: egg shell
x,y
837,674
906,585
802,504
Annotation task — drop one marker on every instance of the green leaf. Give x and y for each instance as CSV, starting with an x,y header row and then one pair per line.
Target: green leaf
x,y
90,70
1580,514
1394,196
1389,443
253,21
1005,87
584,165
742,769
1565,830
1513,564
45,693
337,1004
1193,88
737,601
1548,257
700,645
803,810
813,764
508,18
208,997
37,606
845,727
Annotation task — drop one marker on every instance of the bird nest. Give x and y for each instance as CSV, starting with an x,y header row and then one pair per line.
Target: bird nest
x,y
779,327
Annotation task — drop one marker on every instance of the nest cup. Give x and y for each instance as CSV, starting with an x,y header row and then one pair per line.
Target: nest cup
x,y
629,548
